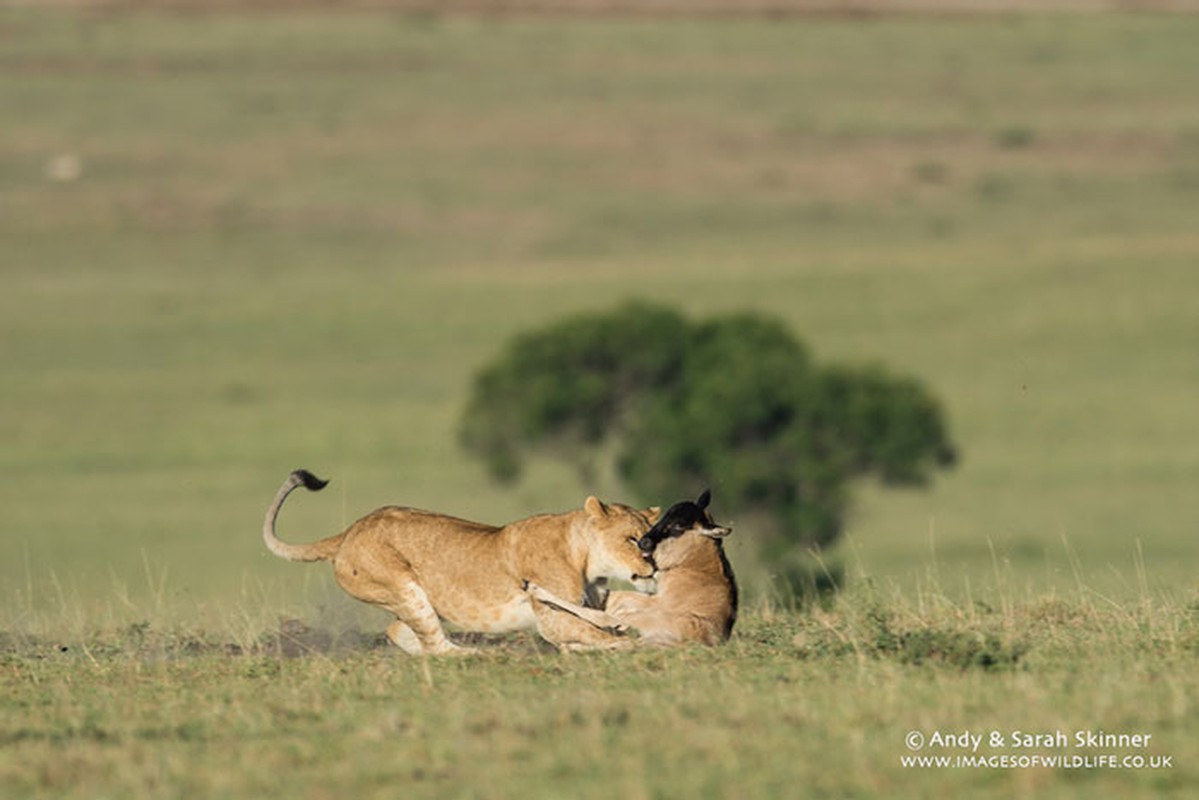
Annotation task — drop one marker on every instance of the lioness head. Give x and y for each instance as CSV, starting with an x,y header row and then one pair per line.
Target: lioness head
x,y
667,539
613,533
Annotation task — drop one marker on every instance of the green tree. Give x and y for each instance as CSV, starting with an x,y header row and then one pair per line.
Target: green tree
x,y
736,403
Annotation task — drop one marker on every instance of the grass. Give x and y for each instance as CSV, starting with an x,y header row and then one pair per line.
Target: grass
x,y
822,701
294,237
291,239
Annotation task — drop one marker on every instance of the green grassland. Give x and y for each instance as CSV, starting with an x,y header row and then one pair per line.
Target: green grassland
x,y
817,706
235,244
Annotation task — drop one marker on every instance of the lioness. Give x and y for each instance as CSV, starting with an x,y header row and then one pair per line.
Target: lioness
x,y
425,567
696,599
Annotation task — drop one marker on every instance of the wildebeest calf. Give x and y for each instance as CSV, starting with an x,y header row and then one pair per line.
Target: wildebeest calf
x,y
696,599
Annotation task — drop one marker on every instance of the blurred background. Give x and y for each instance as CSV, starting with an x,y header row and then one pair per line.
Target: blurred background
x,y
234,243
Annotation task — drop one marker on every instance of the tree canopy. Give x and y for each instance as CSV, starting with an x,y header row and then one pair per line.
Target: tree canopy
x,y
735,402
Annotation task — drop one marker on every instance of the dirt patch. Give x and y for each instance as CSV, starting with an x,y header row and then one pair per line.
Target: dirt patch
x,y
298,639
293,638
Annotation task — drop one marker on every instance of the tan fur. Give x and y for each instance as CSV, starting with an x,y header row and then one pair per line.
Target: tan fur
x,y
695,601
425,567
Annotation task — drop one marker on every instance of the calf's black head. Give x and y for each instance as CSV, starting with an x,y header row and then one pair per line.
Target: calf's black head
x,y
682,518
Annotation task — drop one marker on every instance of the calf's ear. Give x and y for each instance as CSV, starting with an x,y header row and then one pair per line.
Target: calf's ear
x,y
715,533
704,499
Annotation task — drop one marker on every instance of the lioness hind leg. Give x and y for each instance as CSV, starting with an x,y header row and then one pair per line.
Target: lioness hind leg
x,y
414,611
386,580
404,638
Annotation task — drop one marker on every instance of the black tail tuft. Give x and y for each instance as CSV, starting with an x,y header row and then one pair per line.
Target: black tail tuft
x,y
310,481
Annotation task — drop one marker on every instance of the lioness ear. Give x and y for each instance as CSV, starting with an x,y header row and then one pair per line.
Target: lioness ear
x,y
595,507
704,499
653,514
715,533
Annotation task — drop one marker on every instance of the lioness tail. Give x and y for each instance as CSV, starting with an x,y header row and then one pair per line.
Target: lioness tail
x,y
323,550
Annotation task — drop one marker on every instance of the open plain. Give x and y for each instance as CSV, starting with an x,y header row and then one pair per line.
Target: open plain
x,y
236,243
